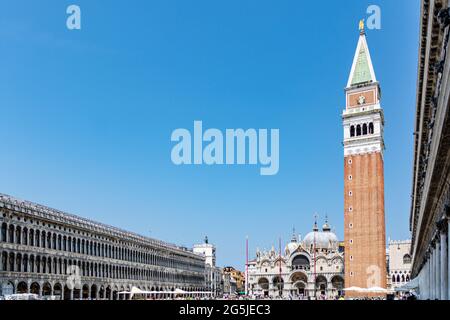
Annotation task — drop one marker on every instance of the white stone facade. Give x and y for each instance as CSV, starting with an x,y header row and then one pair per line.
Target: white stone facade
x,y
309,269
399,263
213,274
208,251
50,253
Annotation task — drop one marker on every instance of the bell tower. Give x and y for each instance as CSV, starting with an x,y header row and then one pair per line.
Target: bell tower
x,y
364,223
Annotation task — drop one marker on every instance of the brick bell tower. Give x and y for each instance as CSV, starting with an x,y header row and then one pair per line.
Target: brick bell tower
x,y
364,224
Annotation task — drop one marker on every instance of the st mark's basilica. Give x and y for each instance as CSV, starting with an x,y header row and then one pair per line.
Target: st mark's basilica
x,y
312,267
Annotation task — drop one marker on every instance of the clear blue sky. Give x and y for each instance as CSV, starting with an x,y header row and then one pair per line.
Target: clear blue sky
x,y
86,116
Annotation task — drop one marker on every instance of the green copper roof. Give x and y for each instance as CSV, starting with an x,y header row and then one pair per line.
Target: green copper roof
x,y
362,69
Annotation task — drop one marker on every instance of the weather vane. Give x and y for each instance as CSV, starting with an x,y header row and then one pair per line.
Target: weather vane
x,y
361,25
315,220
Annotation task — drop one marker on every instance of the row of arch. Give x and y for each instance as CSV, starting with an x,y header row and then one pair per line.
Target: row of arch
x,y
89,291
18,262
400,278
56,241
361,130
321,282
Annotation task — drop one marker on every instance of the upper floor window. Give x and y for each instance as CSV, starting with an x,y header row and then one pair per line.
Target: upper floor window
x,y
406,259
361,130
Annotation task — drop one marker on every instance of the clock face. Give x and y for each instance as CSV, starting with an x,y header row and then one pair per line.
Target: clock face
x,y
361,100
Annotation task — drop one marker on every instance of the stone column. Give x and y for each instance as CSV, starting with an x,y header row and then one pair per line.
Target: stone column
x,y
432,278
444,265
424,280
329,293
448,257
438,270
435,268
97,292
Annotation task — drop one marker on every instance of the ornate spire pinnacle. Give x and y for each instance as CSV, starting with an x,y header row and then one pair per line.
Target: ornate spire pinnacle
x,y
361,26
315,228
294,236
326,226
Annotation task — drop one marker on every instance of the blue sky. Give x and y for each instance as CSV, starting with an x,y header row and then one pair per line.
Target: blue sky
x,y
87,115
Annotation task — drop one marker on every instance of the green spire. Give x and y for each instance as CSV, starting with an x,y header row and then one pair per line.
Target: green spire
x,y
362,69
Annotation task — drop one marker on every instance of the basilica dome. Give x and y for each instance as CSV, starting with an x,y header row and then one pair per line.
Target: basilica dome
x,y
292,246
325,239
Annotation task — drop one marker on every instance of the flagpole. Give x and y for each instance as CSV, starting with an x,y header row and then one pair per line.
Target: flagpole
x,y
280,288
246,266
315,224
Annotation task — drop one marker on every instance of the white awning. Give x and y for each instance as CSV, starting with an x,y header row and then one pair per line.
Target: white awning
x,y
357,289
411,285
368,290
135,290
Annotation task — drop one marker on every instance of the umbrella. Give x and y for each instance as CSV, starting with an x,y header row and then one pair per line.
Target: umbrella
x,y
179,291
353,289
377,290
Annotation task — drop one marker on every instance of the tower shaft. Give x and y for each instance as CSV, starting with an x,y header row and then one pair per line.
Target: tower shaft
x,y
364,221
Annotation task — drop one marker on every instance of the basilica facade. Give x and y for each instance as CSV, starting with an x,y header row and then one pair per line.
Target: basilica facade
x,y
308,268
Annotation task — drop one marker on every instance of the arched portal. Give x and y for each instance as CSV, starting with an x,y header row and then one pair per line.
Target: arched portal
x,y
263,284
278,284
108,293
94,292
35,288
77,293
46,289
300,288
321,285
299,282
85,292
22,287
101,293
57,291
67,293
338,285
